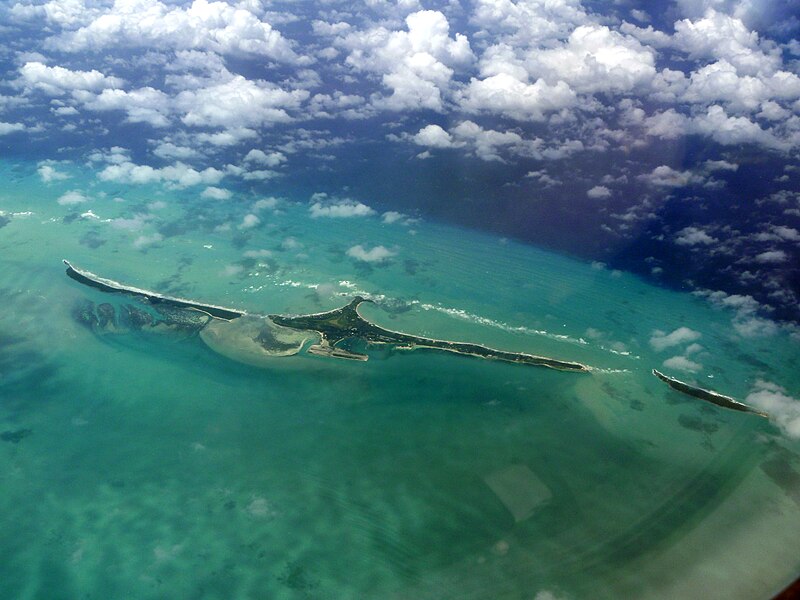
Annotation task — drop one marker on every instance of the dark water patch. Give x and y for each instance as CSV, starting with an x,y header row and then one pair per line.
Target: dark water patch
x,y
780,468
362,268
395,306
296,576
174,228
695,423
674,398
240,240
623,396
24,369
69,218
15,436
91,239
4,220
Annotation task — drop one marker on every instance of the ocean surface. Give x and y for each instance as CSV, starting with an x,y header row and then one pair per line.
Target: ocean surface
x,y
148,466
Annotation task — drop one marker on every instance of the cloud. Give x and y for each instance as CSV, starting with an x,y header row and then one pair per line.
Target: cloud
x,y
7,128
133,224
266,203
772,257
393,216
732,130
376,254
595,59
60,12
215,193
257,254
48,173
144,105
681,363
415,65
178,175
57,81
720,165
72,197
786,233
215,26
529,23
238,102
433,136
720,36
721,82
668,125
168,150
273,159
599,191
486,143
145,241
661,341
693,236
782,409
746,321
340,209
249,221
665,176
506,95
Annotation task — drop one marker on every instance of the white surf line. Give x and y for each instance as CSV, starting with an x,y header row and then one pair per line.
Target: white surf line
x,y
473,318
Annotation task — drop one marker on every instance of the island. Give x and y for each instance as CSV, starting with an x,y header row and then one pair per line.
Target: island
x,y
257,339
707,395
253,338
344,323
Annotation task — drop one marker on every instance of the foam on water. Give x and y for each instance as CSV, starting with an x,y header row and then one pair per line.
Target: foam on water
x,y
155,468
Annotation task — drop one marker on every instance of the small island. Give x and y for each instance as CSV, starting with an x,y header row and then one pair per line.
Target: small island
x,y
707,395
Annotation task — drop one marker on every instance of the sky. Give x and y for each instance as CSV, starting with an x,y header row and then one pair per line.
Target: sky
x,y
660,138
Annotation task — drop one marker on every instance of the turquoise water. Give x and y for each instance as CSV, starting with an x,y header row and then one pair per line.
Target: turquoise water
x,y
147,466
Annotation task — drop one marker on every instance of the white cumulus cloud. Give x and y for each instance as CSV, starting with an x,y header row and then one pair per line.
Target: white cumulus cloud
x,y
681,363
215,193
340,209
376,254
660,340
216,26
599,191
72,197
692,236
783,409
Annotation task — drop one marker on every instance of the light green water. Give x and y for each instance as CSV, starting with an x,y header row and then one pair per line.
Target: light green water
x,y
155,468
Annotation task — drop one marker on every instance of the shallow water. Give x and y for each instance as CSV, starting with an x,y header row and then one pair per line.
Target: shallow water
x,y
149,466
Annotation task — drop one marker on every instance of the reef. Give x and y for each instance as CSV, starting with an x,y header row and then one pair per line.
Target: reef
x,y
707,395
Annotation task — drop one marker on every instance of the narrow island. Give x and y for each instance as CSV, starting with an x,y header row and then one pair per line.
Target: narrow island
x,y
253,338
345,323
707,395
